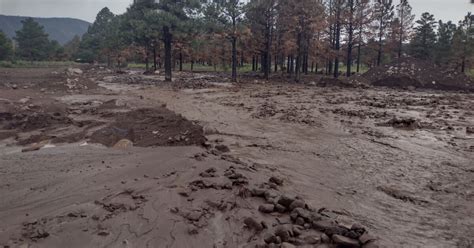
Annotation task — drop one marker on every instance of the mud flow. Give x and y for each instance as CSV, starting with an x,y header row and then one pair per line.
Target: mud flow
x,y
94,158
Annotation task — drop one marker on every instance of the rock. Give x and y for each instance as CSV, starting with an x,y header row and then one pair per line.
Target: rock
x,y
14,86
344,241
76,71
276,180
272,239
373,244
284,232
303,213
470,130
192,230
280,208
286,201
123,144
297,204
222,148
287,245
251,223
270,195
328,227
299,221
266,208
366,238
312,239
103,233
258,192
297,230
24,100
325,238
324,246
194,216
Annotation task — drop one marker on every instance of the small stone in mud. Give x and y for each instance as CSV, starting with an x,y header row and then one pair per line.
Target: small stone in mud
x,y
280,208
276,180
251,223
345,241
366,238
325,238
222,148
103,233
297,204
258,192
284,232
470,130
271,239
287,245
299,221
285,201
266,208
312,239
193,230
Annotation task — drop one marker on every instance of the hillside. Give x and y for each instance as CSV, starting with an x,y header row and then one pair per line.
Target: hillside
x,y
60,29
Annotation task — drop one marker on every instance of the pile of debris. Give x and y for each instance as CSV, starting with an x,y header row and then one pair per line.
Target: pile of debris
x,y
414,73
149,128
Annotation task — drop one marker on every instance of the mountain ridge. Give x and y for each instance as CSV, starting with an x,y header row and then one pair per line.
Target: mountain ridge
x,y
61,29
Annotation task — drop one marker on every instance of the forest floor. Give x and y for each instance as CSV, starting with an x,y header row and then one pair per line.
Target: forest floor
x,y
93,158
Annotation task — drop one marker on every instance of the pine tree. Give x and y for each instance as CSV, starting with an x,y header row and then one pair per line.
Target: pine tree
x,y
6,48
33,43
424,41
444,43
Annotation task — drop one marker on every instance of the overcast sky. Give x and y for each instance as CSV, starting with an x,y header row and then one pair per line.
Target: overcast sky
x,y
87,9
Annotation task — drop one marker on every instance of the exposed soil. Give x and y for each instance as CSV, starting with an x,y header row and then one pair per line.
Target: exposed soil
x,y
150,127
136,162
415,73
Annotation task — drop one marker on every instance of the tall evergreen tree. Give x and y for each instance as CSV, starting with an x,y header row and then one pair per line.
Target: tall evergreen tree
x,y
444,43
6,48
424,41
33,43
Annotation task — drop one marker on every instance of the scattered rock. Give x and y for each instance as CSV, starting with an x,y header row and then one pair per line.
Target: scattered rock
x,y
123,144
253,224
287,245
276,180
222,148
266,208
297,204
345,241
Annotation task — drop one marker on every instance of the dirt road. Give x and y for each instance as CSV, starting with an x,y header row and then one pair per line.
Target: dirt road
x,y
397,162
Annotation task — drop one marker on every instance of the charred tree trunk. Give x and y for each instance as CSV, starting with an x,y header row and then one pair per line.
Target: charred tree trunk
x,y
350,39
337,38
167,38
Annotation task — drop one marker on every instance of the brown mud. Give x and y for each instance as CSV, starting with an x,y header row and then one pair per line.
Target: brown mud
x,y
284,165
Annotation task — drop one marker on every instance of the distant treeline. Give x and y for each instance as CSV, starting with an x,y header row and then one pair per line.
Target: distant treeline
x,y
284,36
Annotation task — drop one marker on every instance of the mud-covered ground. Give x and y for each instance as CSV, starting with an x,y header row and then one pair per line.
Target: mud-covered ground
x,y
99,159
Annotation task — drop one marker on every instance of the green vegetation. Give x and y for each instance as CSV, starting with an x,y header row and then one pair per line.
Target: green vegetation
x,y
6,47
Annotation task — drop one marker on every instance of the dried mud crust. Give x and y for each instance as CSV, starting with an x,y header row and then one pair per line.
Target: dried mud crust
x,y
410,72
151,127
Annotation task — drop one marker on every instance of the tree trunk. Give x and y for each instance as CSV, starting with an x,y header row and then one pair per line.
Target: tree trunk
x,y
381,29
350,39
400,42
154,58
167,37
338,39
234,59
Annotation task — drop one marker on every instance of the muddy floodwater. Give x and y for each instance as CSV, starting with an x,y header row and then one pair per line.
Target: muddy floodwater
x,y
99,159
